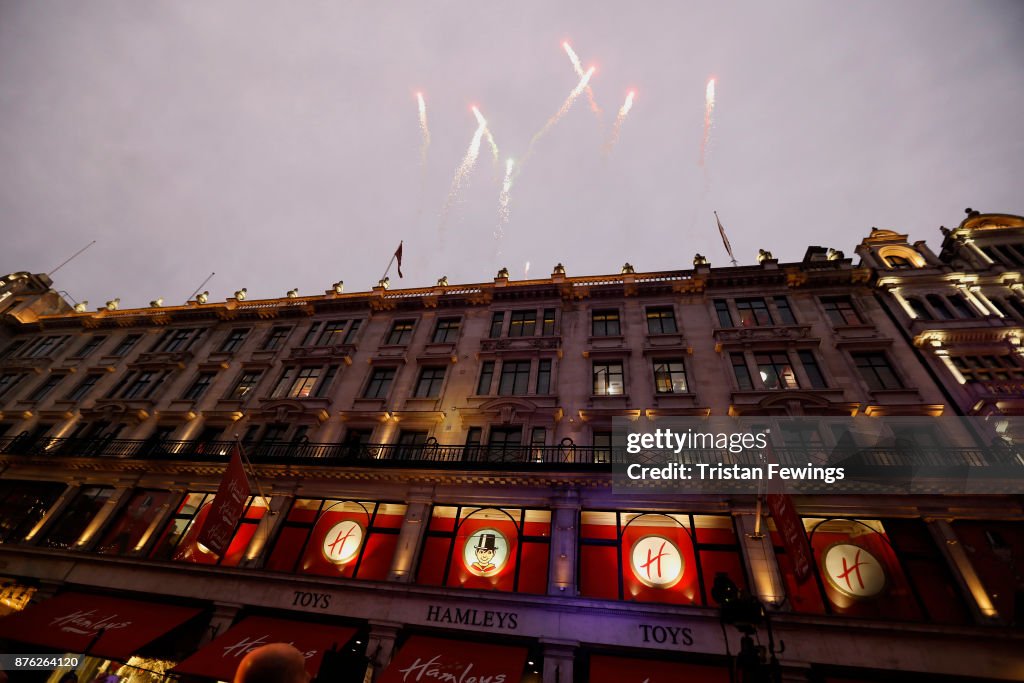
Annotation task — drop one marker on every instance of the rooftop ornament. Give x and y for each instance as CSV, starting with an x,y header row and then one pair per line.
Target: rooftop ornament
x,y
156,303
835,255
385,282
442,281
113,304
503,273
293,293
700,260
627,268
338,287
81,308
203,297
764,255
559,269
241,294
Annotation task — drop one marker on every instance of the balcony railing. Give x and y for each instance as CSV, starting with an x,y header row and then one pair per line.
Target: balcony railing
x,y
433,454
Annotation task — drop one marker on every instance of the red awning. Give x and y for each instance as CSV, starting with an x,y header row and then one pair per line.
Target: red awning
x,y
427,659
219,658
71,622
625,670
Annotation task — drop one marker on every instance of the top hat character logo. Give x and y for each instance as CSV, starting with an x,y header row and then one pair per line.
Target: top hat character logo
x,y
485,552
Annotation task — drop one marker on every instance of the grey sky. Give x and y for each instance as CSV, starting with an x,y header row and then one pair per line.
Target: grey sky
x,y
277,143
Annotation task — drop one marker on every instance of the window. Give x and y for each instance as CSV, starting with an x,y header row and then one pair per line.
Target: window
x,y
538,440
497,322
126,344
336,538
83,508
753,312
515,378
129,528
311,333
22,505
84,387
1016,305
898,263
275,338
544,376
661,320
503,549
1005,254
549,322
180,538
474,437
47,386
608,379
785,312
775,370
504,439
522,323
960,305
12,348
401,332
602,442
875,370
410,445
141,384
670,376
380,383
938,305
235,339
46,346
90,345
997,553
723,313
921,312
303,382
812,370
447,330
656,557
429,383
988,368
353,330
741,372
178,340
604,324
333,333
840,310
245,385
483,387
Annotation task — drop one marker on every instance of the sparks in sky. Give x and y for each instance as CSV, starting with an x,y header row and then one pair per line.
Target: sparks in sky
x,y
578,68
503,201
468,161
709,108
526,271
566,106
424,129
617,126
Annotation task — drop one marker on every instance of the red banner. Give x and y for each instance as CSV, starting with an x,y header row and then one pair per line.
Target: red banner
x,y
227,506
437,659
605,669
791,528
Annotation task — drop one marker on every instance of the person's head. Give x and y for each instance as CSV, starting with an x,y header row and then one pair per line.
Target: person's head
x,y
273,663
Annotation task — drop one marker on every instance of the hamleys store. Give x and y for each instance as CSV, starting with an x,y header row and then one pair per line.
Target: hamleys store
x,y
565,586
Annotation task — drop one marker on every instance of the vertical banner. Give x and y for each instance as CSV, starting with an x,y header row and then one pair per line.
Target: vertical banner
x,y
791,528
227,506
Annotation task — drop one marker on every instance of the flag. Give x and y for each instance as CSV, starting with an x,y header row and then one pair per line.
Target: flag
x,y
227,506
725,240
398,257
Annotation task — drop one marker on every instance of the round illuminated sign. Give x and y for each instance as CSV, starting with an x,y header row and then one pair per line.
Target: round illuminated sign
x,y
342,541
656,562
485,552
853,571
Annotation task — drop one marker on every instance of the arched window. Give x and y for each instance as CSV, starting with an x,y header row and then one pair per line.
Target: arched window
x,y
917,306
1016,305
938,304
898,262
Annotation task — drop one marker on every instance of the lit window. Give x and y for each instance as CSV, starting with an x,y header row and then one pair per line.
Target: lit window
x,y
608,379
670,377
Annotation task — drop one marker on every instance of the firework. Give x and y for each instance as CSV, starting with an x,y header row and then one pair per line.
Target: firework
x,y
617,126
566,106
526,271
424,129
468,161
503,201
578,68
709,108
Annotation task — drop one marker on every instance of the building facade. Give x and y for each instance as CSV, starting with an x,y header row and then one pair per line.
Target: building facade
x,y
432,473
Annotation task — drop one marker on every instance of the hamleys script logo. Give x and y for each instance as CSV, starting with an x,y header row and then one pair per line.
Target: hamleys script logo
x,y
342,541
853,571
435,670
88,623
656,562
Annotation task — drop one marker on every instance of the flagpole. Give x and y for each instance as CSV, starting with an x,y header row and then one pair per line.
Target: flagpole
x,y
393,256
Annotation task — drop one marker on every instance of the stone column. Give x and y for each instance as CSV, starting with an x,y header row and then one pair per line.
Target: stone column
x,y
380,648
256,553
558,661
976,596
565,507
224,614
38,532
160,519
410,536
759,556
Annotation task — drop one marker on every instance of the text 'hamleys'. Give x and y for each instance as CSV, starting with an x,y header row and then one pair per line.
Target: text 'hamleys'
x,y
435,669
88,623
247,645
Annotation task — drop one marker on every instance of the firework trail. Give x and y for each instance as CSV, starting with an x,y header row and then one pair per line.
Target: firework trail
x,y
578,68
709,108
566,106
617,126
465,167
503,201
526,271
424,129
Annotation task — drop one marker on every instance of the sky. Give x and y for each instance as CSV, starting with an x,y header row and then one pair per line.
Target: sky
x,y
279,146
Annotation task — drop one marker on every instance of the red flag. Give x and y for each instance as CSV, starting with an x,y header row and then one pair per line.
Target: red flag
x,y
725,240
227,506
398,257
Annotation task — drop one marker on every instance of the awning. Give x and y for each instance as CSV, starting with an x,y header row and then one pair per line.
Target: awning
x,y
220,657
71,622
605,669
430,659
